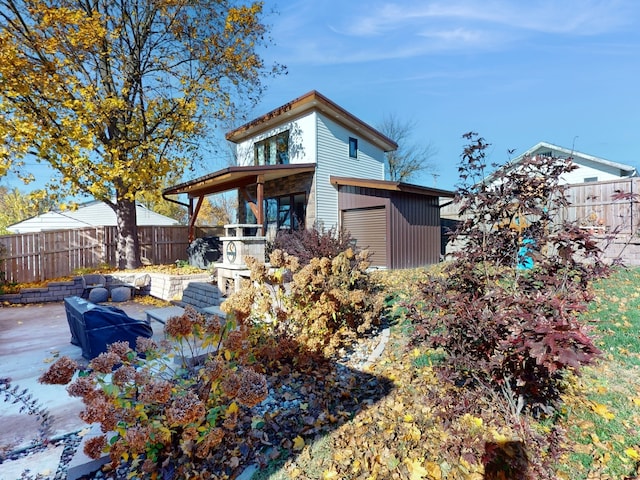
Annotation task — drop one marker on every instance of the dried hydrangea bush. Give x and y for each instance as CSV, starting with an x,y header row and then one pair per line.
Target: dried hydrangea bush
x,y
161,416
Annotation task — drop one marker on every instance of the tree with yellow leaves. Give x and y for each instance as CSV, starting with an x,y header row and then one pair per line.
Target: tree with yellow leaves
x,y
116,95
16,206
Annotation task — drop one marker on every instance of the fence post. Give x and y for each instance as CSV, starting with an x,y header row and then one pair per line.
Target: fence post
x,y
41,263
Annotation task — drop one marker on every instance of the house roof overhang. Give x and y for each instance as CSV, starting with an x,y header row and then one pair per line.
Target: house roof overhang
x,y
308,102
235,177
391,186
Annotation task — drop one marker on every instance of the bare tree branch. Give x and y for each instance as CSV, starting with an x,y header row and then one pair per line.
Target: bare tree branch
x,y
409,159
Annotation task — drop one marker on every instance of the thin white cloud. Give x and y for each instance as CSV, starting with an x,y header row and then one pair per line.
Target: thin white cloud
x,y
456,35
583,17
322,33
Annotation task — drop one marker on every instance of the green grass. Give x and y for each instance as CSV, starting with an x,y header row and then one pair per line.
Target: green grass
x,y
616,314
603,412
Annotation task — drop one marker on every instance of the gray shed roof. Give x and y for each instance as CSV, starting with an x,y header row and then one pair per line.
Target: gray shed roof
x,y
91,214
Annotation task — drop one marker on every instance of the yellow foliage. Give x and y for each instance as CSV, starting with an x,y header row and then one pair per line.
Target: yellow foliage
x,y
416,470
632,453
602,410
298,443
433,470
232,409
105,130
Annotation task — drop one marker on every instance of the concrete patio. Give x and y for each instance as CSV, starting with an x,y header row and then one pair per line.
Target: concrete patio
x,y
31,338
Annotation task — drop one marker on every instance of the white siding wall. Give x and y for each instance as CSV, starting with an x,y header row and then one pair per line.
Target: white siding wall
x,y
588,169
315,138
333,159
585,170
302,141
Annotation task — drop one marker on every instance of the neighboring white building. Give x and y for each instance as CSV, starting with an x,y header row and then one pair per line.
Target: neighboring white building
x,y
590,168
91,214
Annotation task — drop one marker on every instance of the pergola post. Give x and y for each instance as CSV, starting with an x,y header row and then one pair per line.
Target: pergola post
x,y
260,200
193,215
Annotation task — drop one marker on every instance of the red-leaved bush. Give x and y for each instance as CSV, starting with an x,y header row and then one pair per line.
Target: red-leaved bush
x,y
506,311
315,242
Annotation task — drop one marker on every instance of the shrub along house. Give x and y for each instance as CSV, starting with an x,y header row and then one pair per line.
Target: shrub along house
x,y
310,162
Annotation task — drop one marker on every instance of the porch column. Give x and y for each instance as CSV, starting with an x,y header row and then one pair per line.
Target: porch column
x,y
193,216
260,201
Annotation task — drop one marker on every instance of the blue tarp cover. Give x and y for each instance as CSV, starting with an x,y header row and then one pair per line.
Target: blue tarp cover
x,y
101,325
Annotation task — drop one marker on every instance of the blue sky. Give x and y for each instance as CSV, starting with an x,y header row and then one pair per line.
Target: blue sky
x,y
517,72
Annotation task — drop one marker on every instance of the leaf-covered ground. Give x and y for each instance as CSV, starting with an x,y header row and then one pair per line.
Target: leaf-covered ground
x,y
332,418
335,421
417,429
602,407
398,434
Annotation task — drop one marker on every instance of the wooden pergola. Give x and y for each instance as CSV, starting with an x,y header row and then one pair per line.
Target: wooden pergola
x,y
233,178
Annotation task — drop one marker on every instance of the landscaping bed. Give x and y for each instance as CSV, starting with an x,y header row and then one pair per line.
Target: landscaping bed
x,y
344,417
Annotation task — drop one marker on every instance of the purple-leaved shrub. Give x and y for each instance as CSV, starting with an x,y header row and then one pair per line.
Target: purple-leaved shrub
x,y
506,311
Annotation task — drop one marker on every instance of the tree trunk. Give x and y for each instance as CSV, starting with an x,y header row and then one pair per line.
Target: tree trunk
x,y
128,251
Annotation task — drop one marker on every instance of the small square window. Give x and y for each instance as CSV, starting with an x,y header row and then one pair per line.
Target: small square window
x,y
353,147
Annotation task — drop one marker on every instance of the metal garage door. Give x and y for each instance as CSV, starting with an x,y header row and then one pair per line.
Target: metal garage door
x,y
368,227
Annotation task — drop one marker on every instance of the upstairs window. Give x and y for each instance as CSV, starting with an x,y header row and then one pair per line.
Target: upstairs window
x,y
273,150
353,147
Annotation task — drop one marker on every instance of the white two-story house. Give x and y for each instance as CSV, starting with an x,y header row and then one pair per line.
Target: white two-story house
x,y
310,162
310,131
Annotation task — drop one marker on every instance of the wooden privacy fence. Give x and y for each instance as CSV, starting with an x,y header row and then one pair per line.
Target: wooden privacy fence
x,y
609,209
32,257
606,207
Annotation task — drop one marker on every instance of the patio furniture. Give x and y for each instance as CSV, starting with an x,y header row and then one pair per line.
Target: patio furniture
x,y
204,252
94,327
121,293
98,295
91,281
163,314
135,283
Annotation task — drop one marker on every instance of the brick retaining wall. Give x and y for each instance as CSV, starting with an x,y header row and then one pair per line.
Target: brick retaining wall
x,y
166,287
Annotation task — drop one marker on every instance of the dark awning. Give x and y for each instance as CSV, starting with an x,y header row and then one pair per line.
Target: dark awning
x,y
231,178
390,185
